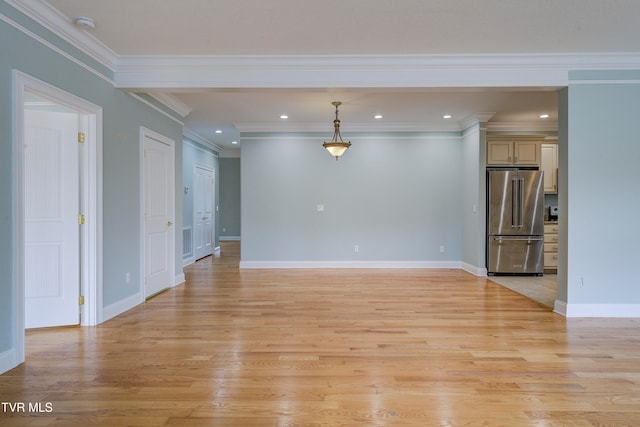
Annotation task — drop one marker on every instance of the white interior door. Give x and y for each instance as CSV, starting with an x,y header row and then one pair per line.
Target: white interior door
x,y
203,200
51,208
159,230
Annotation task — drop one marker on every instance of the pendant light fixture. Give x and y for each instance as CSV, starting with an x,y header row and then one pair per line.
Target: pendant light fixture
x,y
336,147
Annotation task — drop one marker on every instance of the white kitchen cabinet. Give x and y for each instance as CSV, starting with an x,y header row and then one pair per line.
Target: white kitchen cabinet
x,y
549,164
550,247
512,152
499,152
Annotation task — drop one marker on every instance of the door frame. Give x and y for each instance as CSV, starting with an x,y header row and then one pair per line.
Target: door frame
x,y
91,201
148,133
210,169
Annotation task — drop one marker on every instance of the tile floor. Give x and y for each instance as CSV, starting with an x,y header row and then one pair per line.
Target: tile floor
x,y
539,288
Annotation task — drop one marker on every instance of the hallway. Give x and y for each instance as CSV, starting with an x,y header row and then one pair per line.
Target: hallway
x,y
331,348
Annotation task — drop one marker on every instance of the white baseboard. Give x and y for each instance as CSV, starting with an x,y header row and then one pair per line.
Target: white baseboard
x,y
600,310
477,271
560,307
8,361
229,238
128,303
179,279
350,264
188,261
121,306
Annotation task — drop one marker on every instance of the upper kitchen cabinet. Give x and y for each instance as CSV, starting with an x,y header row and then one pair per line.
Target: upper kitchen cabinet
x,y
519,151
549,164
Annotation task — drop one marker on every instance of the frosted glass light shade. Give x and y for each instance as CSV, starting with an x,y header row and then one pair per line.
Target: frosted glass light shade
x,y
336,149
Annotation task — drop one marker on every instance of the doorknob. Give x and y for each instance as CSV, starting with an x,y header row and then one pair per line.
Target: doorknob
x,y
169,223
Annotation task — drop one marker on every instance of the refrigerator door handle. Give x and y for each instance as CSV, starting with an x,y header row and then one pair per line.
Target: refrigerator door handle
x,y
521,203
517,203
514,204
528,239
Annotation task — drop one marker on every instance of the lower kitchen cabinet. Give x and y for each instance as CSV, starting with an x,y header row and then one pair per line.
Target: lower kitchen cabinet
x,y
550,247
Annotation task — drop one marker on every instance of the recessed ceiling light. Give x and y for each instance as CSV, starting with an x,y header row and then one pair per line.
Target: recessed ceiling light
x,y
284,116
544,116
447,116
234,142
377,116
218,131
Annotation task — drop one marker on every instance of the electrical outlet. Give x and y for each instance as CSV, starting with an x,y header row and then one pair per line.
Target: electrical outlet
x,y
356,248
441,249
127,277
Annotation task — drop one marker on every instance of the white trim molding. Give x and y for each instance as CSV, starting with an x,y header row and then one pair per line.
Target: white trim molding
x,y
171,102
475,270
121,306
560,307
51,19
179,279
350,264
302,71
90,116
56,49
188,133
8,361
155,107
597,310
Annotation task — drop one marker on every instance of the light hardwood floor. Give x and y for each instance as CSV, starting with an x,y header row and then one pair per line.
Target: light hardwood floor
x,y
332,348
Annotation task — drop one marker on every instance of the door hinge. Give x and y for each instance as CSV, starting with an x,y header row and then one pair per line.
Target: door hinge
x,y
81,300
81,137
81,219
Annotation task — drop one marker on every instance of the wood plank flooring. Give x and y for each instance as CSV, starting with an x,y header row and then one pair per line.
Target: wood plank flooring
x,y
331,348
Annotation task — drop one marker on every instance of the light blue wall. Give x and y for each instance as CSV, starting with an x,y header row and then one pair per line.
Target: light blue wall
x,y
473,198
122,117
229,197
194,154
603,206
397,196
563,136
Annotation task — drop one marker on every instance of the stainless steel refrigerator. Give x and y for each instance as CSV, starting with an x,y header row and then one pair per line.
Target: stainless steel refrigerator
x,y
515,221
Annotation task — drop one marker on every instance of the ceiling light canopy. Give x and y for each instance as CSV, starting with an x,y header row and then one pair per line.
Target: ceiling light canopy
x,y
336,147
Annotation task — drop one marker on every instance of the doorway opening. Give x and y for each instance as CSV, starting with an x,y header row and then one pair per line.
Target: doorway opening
x,y
158,211
52,171
203,211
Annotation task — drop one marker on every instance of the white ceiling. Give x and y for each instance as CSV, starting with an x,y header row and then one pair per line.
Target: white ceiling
x,y
342,28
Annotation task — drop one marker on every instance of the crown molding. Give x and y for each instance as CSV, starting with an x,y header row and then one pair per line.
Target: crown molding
x,y
432,70
537,126
52,20
350,128
475,118
170,101
188,133
565,61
